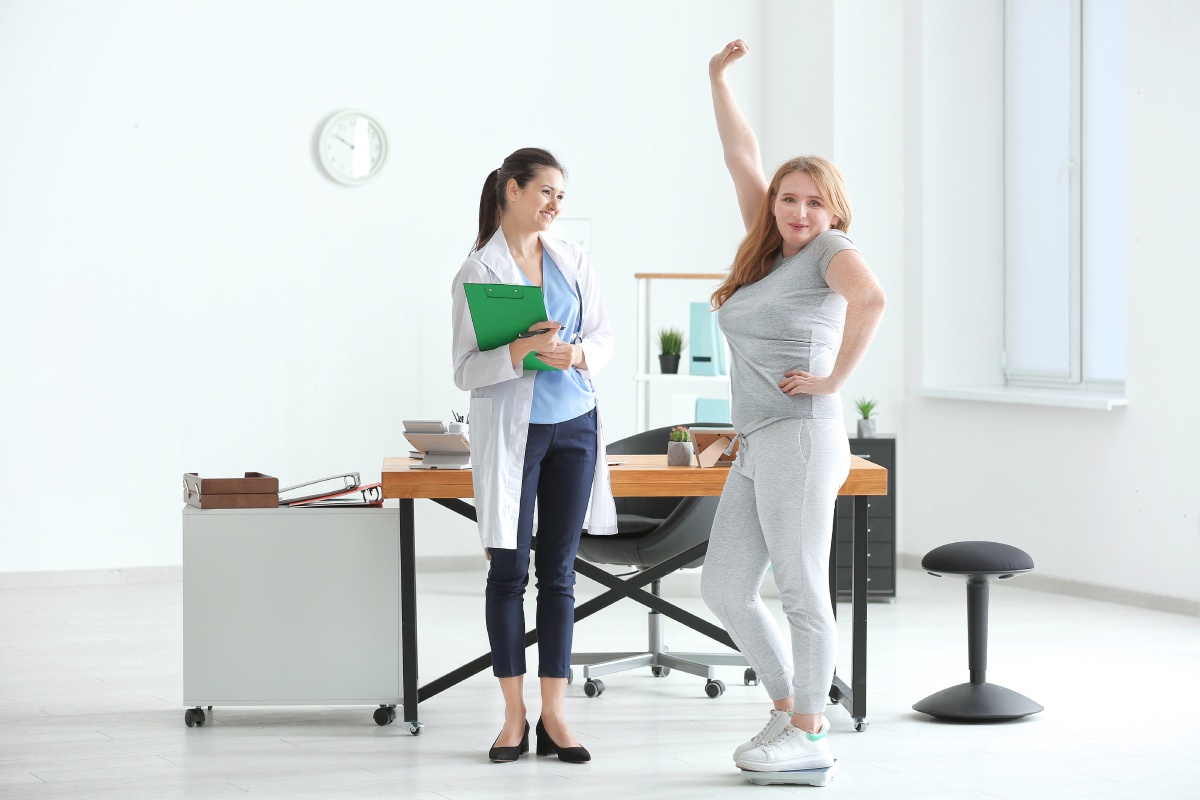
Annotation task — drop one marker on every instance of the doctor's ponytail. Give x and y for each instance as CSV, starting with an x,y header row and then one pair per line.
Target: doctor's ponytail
x,y
521,166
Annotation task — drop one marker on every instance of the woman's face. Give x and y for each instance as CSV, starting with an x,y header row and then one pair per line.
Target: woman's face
x,y
535,206
801,213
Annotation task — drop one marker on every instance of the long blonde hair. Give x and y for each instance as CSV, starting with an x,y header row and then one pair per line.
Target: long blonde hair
x,y
763,240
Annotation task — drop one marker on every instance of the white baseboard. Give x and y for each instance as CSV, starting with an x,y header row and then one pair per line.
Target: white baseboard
x,y
1089,591
90,577
174,573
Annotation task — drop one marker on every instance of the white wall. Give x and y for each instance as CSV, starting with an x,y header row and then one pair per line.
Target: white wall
x,y
1107,498
184,290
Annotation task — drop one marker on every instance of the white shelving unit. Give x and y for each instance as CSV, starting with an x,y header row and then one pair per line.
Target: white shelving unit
x,y
644,376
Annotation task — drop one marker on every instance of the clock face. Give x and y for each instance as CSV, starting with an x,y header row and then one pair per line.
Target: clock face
x,y
353,147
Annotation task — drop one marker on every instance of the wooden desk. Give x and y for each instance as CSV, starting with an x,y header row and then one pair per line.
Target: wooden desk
x,y
632,476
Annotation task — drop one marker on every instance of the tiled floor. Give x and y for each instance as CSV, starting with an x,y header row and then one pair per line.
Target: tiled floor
x,y
90,694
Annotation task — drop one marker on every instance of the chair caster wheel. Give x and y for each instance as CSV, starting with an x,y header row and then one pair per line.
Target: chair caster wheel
x,y
714,688
415,728
570,676
384,715
660,672
861,724
194,717
594,687
750,677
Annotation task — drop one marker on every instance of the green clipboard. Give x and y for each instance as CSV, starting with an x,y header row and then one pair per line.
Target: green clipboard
x,y
500,311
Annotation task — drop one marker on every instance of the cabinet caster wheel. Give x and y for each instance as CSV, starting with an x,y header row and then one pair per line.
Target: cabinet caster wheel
x,y
861,724
714,688
594,687
660,672
384,715
570,676
415,728
194,717
750,677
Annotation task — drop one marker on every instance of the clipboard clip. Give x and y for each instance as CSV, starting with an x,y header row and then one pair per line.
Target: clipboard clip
x,y
506,292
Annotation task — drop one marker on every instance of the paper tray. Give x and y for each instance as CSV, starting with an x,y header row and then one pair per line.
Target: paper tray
x,y
255,490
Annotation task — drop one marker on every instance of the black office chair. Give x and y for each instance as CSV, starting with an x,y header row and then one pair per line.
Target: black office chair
x,y
653,535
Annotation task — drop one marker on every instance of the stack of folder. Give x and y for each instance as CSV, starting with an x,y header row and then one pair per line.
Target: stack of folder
x,y
338,491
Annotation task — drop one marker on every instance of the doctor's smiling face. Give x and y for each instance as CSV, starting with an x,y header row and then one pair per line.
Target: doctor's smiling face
x,y
535,205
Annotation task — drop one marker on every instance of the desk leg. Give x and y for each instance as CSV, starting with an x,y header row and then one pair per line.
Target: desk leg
x,y
408,614
853,696
858,679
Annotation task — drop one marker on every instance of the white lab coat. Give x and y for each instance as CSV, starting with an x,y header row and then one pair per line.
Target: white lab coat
x,y
502,395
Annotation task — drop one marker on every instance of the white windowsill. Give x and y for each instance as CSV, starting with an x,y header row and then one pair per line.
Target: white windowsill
x,y
1063,398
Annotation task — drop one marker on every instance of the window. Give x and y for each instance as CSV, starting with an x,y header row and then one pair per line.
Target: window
x,y
1065,194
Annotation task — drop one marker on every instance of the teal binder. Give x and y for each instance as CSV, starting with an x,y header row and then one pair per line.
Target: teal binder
x,y
499,311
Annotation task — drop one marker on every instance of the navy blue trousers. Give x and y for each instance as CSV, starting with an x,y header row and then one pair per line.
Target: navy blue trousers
x,y
560,463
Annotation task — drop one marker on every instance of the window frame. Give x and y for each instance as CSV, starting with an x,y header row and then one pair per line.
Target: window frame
x,y
1073,377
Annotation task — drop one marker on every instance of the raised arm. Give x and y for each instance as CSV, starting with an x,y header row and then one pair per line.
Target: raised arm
x,y
737,139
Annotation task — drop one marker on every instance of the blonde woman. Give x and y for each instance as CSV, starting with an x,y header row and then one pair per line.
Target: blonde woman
x,y
798,308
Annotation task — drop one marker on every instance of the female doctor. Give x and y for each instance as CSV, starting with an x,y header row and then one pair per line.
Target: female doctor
x,y
535,438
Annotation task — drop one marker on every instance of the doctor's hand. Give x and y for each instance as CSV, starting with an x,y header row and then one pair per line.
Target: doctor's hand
x,y
800,382
564,356
726,58
543,342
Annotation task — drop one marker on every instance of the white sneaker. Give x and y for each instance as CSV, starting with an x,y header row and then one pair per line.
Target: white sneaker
x,y
791,749
774,727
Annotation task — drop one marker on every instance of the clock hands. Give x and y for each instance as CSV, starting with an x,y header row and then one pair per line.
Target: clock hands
x,y
343,141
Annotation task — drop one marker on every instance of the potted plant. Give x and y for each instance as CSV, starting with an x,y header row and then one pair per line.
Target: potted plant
x,y
679,448
670,346
866,425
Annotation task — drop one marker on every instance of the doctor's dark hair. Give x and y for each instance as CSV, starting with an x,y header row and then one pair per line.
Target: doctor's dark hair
x,y
520,166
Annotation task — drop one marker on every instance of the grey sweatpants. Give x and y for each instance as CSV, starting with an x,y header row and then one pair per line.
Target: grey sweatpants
x,y
778,508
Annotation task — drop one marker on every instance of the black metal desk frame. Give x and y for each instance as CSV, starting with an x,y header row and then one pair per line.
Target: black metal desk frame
x,y
852,696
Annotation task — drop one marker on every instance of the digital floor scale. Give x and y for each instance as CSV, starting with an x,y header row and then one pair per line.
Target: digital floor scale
x,y
820,776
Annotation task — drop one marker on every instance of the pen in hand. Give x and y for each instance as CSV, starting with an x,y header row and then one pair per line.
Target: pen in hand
x,y
529,334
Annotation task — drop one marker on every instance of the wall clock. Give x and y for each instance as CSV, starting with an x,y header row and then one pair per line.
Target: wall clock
x,y
352,147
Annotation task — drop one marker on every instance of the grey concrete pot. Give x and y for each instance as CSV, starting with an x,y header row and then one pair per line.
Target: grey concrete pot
x,y
680,454
866,429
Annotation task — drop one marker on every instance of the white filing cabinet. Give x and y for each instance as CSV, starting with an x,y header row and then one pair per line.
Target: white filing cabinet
x,y
291,607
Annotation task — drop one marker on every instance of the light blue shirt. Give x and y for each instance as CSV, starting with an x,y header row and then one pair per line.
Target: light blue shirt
x,y
560,395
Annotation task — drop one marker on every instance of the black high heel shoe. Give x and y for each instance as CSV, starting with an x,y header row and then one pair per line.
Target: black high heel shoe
x,y
511,753
547,747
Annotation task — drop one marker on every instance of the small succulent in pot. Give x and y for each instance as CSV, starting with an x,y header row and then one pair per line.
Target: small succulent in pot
x,y
670,348
866,425
680,451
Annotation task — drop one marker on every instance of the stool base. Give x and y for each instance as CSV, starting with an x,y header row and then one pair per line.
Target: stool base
x,y
981,702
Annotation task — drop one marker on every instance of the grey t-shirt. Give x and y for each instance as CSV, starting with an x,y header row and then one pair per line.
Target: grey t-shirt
x,y
790,319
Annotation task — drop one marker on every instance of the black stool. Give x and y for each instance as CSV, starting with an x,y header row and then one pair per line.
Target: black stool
x,y
977,563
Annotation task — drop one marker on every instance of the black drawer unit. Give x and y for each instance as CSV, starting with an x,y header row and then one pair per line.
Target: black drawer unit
x,y
881,525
